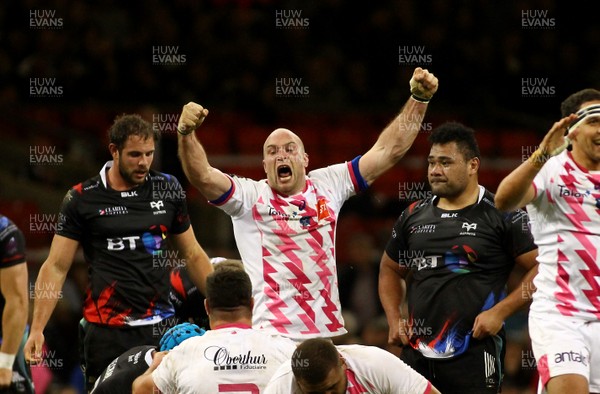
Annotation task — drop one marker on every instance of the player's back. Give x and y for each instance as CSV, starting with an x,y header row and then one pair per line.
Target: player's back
x,y
227,359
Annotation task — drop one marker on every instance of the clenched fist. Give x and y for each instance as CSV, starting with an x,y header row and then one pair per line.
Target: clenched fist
x,y
423,84
191,118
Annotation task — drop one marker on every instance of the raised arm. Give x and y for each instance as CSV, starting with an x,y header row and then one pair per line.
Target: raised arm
x,y
516,190
48,286
211,182
398,136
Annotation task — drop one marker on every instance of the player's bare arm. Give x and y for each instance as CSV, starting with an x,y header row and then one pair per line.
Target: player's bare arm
x,y
13,283
490,322
399,135
211,182
392,292
198,263
144,384
52,276
516,190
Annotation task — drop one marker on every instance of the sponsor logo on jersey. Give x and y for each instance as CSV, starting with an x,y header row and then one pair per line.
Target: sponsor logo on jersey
x,y
571,356
322,210
423,229
223,360
490,369
131,193
449,215
469,227
112,211
158,205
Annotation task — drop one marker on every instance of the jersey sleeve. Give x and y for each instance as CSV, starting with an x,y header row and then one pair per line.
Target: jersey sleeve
x,y
344,178
12,244
70,224
518,239
396,242
240,198
164,375
181,222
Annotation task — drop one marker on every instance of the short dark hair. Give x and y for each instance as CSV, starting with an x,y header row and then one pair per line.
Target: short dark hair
x,y
228,286
130,124
313,359
463,136
573,103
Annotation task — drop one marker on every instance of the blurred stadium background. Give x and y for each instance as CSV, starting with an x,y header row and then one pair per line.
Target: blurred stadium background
x,y
333,72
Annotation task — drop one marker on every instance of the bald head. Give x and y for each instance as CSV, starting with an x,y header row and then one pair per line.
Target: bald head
x,y
285,161
282,134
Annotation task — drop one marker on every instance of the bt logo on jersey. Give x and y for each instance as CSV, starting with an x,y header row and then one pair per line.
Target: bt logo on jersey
x,y
120,243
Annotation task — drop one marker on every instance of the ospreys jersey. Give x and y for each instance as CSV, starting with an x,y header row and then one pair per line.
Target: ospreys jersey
x,y
12,250
118,377
124,237
459,263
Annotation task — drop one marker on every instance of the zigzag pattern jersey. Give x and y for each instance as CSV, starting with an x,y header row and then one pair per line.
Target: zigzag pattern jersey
x,y
459,263
12,250
369,370
565,221
287,244
124,236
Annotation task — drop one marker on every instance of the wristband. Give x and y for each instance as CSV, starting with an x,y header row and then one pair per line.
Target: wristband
x,y
183,132
538,159
419,99
7,360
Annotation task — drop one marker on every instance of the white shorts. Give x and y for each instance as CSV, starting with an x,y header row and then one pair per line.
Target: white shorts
x,y
566,346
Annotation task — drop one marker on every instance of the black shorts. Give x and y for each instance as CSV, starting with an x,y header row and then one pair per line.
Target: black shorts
x,y
99,345
21,381
479,370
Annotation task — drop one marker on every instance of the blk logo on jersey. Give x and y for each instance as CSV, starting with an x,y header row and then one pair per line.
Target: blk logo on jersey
x,y
132,193
449,215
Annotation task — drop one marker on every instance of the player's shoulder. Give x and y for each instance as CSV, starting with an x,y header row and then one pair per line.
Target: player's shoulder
x,y
162,177
417,207
487,204
8,228
365,355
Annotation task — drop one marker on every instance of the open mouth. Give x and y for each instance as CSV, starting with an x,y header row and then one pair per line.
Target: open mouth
x,y
284,171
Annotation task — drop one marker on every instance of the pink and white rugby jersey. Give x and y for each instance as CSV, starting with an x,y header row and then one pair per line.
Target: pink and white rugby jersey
x,y
229,359
369,370
565,222
288,249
